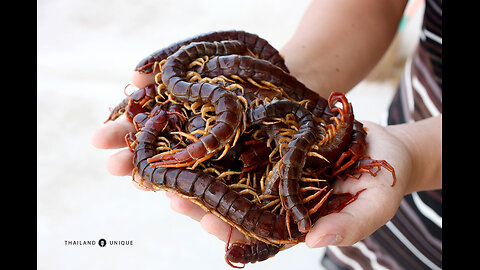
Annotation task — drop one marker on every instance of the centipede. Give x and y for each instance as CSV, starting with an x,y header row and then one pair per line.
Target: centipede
x,y
226,126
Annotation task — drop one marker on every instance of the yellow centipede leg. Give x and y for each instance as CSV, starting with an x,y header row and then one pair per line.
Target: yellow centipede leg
x,y
208,156
315,154
227,147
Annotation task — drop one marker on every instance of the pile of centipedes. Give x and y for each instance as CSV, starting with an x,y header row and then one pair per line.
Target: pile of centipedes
x,y
226,126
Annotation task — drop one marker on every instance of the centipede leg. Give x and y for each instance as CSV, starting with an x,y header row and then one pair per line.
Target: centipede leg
x,y
366,165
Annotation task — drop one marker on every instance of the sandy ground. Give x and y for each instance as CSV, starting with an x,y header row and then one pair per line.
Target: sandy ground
x,y
86,53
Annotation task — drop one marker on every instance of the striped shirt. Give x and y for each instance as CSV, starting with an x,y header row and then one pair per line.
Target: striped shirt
x,y
412,239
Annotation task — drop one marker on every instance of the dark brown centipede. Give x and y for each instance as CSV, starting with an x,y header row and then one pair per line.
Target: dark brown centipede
x,y
293,161
228,107
255,44
263,71
250,253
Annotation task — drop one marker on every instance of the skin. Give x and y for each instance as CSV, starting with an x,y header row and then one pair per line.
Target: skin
x,y
348,51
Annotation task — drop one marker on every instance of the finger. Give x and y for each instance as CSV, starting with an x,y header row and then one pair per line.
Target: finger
x,y
120,163
112,134
186,207
141,80
355,222
170,194
214,225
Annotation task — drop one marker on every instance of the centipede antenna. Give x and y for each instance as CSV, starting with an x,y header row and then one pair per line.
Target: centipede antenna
x,y
227,245
125,90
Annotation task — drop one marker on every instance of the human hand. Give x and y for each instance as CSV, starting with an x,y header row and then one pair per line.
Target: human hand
x,y
112,136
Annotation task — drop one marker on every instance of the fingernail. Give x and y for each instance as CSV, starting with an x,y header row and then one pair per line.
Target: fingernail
x,y
328,239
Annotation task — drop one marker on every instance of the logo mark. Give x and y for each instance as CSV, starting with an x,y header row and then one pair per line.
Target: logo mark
x,y
102,242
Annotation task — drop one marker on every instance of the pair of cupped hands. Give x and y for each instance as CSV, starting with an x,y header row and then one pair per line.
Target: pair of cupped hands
x,y
373,208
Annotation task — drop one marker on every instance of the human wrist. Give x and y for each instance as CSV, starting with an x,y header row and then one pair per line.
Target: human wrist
x,y
423,145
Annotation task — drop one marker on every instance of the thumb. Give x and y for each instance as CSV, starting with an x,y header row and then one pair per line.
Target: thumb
x,y
141,80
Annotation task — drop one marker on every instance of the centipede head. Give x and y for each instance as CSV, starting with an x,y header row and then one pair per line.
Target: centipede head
x,y
158,120
236,254
337,97
346,111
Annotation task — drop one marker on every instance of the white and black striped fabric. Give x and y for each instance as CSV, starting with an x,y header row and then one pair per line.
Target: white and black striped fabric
x,y
413,238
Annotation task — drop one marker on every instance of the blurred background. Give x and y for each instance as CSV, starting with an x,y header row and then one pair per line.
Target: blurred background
x,y
86,52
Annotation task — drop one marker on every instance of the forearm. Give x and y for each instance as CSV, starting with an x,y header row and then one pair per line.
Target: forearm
x,y
423,140
338,42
